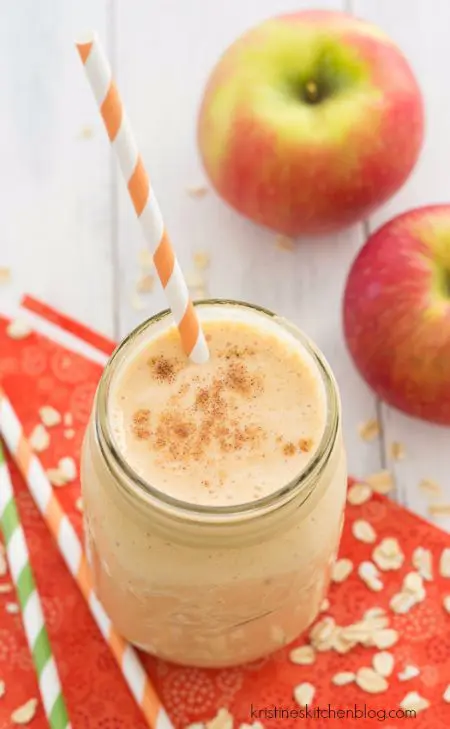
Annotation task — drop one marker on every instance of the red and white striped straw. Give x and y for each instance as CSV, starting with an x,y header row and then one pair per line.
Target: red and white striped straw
x,y
147,209
72,552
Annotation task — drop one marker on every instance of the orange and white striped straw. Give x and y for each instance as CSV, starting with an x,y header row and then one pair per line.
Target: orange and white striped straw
x,y
142,195
72,552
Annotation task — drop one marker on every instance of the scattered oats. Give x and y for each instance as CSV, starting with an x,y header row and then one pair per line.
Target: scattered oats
x,y
199,293
362,632
381,482
414,701
3,564
370,576
323,629
86,133
383,663
69,434
422,560
303,656
377,623
390,546
341,570
39,439
196,190
388,555
49,416
327,642
397,451
222,720
343,678
446,695
385,638
195,279
341,644
201,260
375,584
68,468
375,612
5,588
408,673
55,477
321,635
325,605
326,635
412,593
369,430
439,509
413,583
304,693
12,608
137,302
446,603
444,563
284,243
402,602
2,689
363,531
145,283
79,504
25,713
358,494
355,633
5,275
196,725
369,680
145,260
18,329
430,487
68,420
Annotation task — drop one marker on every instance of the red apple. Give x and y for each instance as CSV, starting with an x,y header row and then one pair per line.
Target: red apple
x,y
397,313
309,121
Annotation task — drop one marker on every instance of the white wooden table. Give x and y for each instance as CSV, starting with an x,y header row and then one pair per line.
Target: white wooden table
x,y
68,230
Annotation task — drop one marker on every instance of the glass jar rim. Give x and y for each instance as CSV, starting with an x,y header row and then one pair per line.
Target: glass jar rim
x,y
146,492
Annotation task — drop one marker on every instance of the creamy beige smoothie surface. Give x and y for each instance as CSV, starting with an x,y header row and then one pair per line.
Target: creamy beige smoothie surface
x,y
226,432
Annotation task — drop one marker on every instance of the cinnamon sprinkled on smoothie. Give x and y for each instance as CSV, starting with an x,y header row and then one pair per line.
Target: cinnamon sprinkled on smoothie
x,y
305,444
202,398
185,433
141,421
289,449
233,351
240,380
218,427
163,369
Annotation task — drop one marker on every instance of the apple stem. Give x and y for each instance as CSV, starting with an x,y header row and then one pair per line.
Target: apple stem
x,y
312,92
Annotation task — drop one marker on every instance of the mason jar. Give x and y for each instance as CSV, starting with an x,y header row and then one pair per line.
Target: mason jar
x,y
211,586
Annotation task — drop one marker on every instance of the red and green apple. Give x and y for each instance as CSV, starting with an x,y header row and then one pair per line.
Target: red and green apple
x,y
310,121
397,313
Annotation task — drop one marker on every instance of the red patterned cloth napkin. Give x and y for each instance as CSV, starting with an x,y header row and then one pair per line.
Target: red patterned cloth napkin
x,y
37,371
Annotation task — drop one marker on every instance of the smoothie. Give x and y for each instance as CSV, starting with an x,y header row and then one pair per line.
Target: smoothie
x,y
231,431
214,493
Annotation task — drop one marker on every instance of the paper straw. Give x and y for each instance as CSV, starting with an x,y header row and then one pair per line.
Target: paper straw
x,y
30,603
147,209
72,552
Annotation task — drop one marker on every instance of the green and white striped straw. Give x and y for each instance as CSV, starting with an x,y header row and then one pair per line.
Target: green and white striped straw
x,y
32,615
